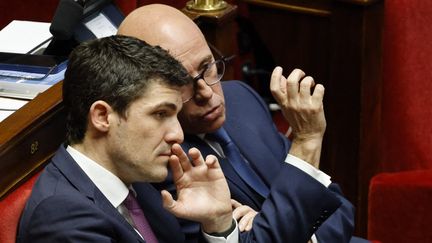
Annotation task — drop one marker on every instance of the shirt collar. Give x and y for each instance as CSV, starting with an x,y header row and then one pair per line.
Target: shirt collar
x,y
110,185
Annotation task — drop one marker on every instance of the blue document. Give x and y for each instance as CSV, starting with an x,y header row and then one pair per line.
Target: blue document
x,y
26,85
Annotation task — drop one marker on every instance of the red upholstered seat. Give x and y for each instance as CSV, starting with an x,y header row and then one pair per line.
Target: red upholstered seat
x,y
10,210
400,202
400,207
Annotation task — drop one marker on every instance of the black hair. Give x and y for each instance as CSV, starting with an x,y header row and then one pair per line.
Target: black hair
x,y
117,70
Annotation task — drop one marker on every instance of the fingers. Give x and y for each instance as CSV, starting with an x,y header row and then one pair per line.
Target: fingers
x,y
172,205
246,223
278,84
167,200
212,162
196,157
182,157
293,83
176,168
305,87
299,85
235,204
318,93
290,88
180,163
244,216
240,211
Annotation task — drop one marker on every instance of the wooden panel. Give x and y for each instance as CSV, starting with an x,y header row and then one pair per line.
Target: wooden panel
x,y
295,40
219,30
29,137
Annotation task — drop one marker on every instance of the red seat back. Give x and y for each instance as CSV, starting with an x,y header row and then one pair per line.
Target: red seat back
x,y
400,207
11,208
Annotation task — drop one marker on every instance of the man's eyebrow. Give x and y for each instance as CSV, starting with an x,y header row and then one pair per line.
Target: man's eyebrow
x,y
168,105
205,61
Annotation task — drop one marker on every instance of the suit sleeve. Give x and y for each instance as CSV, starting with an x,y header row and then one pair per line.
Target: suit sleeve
x,y
298,205
292,213
340,225
59,219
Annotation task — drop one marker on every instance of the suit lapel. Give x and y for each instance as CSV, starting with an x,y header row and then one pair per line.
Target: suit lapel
x,y
77,177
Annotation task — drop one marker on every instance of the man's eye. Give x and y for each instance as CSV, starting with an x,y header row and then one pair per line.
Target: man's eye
x,y
161,114
205,67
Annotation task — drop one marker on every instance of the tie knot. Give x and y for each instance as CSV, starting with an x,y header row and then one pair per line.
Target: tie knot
x,y
220,136
131,202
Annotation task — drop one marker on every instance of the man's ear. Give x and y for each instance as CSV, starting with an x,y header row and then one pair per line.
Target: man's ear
x,y
99,115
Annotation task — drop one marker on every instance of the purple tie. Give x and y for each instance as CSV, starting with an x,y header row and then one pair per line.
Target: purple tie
x,y
139,219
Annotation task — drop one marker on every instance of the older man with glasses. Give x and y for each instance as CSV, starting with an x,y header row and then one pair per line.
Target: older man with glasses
x,y
211,73
280,194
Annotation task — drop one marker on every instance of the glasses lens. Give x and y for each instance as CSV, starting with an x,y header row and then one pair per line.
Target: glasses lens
x,y
187,92
214,72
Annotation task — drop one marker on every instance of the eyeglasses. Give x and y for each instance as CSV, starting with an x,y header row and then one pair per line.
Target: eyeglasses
x,y
212,73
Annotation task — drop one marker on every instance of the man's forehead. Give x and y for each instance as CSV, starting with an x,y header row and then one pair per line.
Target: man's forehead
x,y
150,103
192,58
161,88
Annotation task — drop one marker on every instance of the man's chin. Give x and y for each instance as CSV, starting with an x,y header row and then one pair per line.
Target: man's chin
x,y
160,176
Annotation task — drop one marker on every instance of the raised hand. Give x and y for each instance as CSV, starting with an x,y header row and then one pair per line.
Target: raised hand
x,y
202,191
244,215
304,111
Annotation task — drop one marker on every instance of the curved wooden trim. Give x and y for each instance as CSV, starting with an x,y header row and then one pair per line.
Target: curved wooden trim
x,y
290,7
362,2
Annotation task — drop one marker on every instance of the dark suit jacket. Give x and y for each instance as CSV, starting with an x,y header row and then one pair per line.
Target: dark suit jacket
x,y
298,205
65,206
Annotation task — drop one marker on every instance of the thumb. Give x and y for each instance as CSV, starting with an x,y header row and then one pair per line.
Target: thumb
x,y
172,205
167,201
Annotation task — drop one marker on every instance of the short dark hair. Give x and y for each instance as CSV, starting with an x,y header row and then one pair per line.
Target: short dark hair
x,y
117,70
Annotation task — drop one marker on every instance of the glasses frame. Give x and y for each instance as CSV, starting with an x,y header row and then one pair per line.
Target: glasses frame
x,y
222,58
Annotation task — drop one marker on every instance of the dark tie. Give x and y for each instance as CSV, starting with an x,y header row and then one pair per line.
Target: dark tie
x,y
140,221
242,168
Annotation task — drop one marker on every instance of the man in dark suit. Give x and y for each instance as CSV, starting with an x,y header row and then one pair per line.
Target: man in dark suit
x,y
267,173
122,97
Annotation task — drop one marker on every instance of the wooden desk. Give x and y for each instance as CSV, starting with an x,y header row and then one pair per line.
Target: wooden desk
x,y
29,137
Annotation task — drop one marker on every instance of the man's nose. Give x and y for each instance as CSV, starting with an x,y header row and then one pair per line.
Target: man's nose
x,y
203,92
175,133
